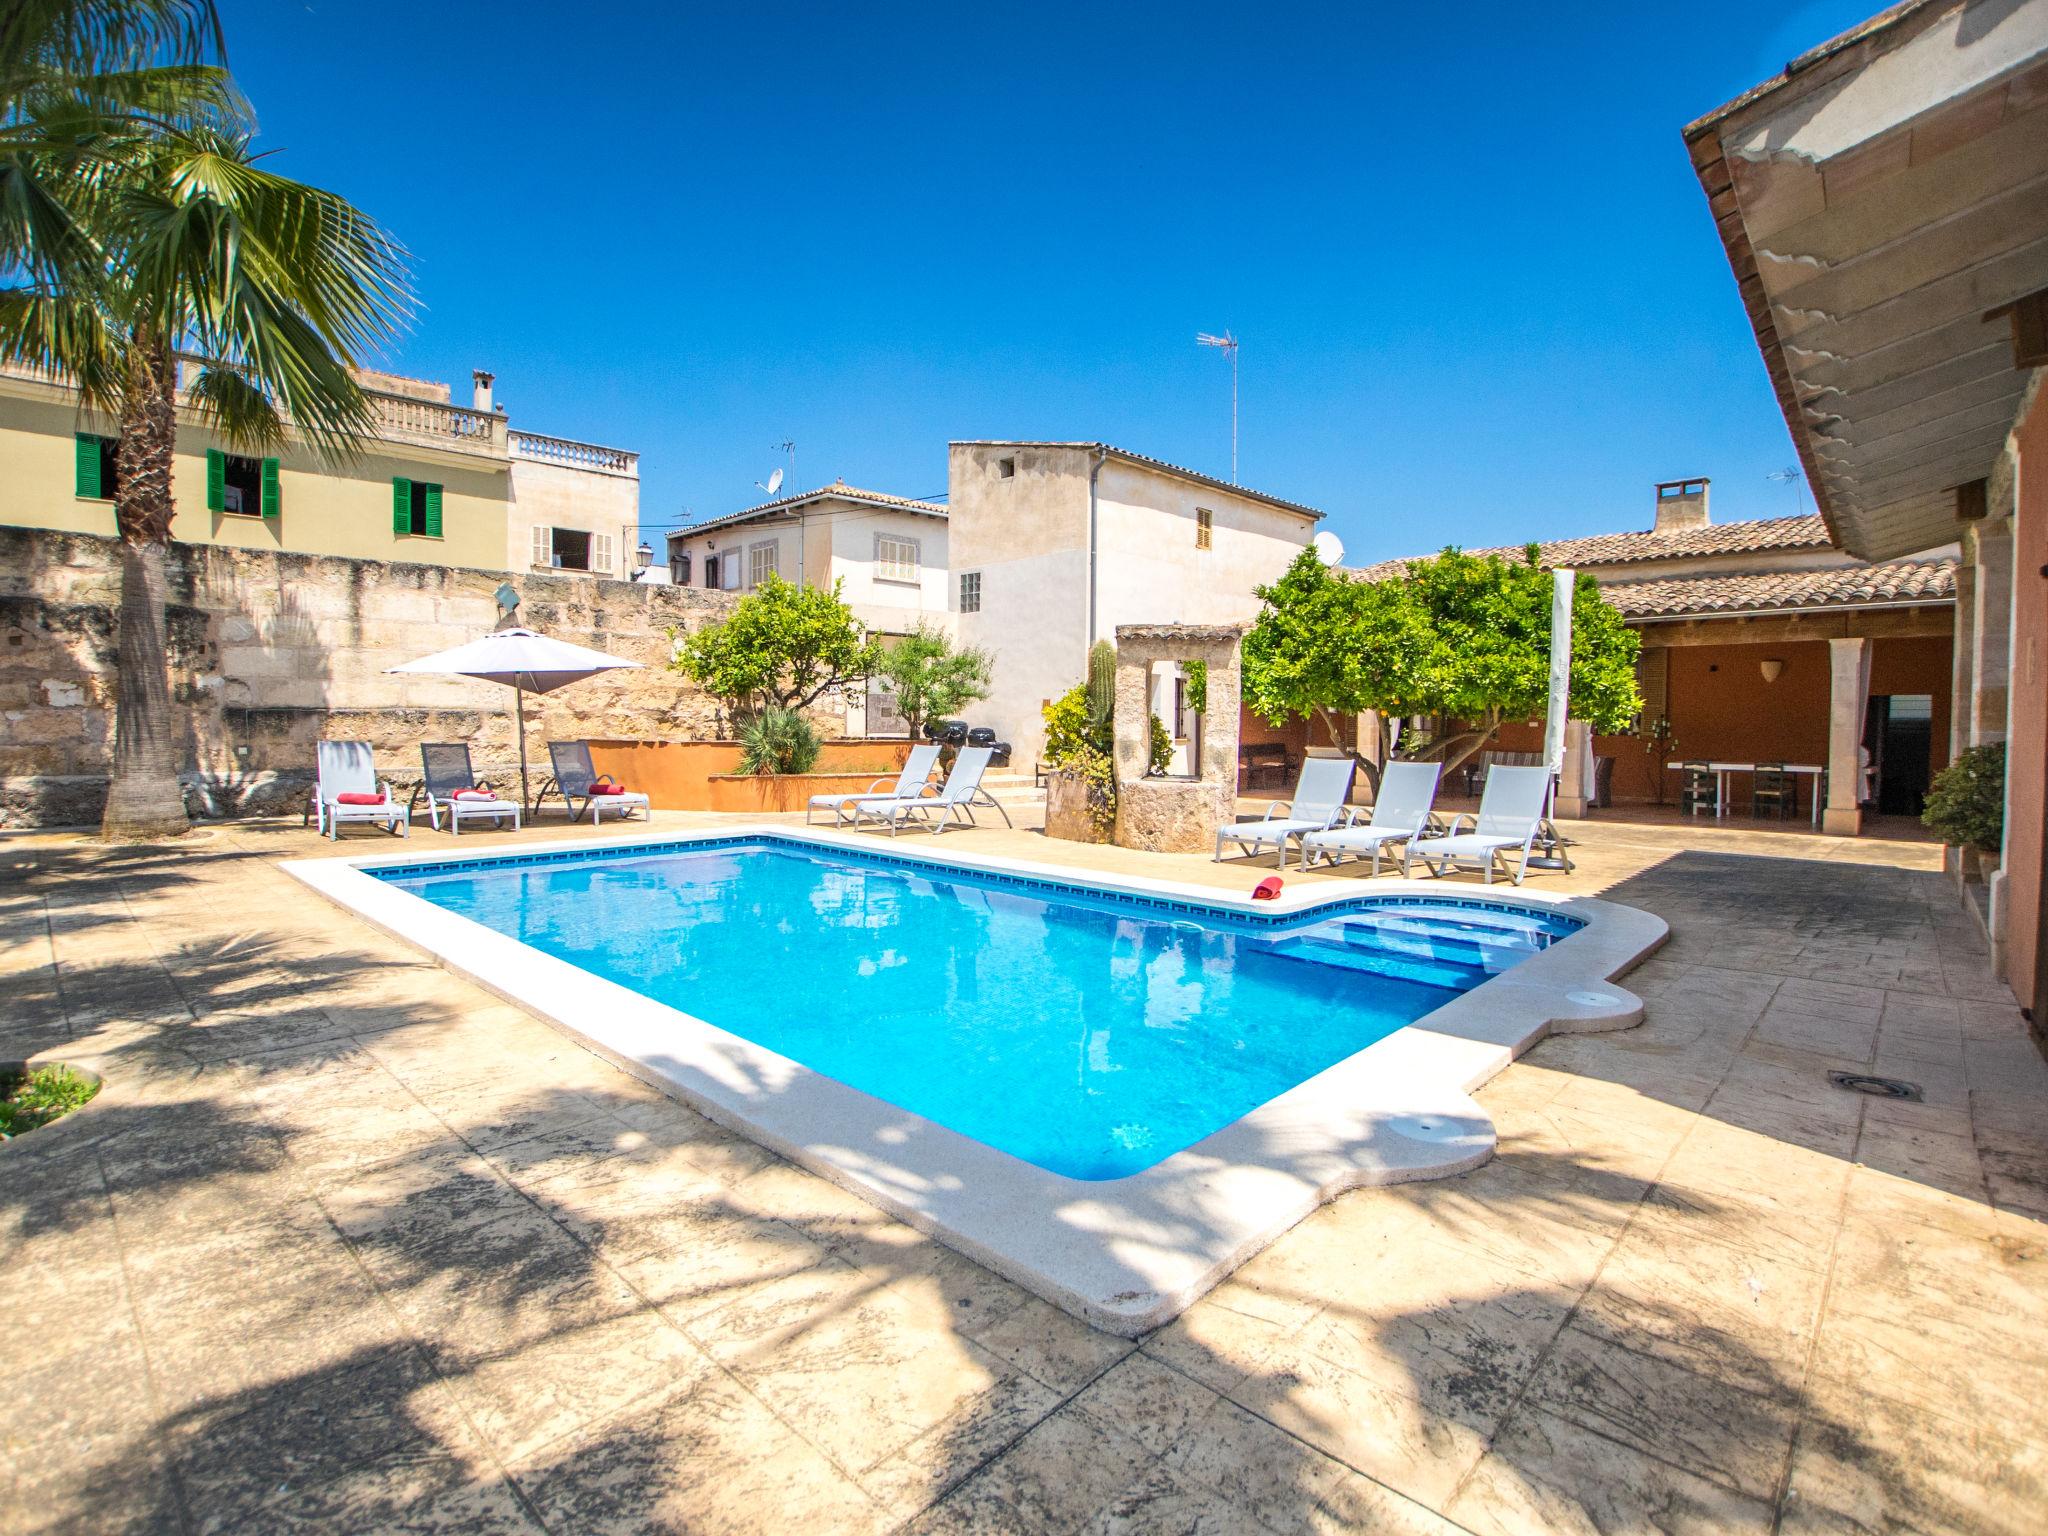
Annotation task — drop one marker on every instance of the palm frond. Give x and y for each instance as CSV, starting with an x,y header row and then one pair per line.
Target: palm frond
x,y
236,407
54,333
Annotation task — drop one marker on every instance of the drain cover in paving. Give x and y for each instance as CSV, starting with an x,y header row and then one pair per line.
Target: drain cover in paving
x,y
1876,1087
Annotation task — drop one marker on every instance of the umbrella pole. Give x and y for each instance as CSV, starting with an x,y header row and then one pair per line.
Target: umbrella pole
x,y
519,725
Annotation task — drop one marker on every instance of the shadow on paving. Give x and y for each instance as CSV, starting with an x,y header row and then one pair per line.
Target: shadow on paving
x,y
389,1278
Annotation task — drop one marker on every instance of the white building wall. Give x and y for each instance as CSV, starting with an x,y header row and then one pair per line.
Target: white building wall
x,y
886,605
586,500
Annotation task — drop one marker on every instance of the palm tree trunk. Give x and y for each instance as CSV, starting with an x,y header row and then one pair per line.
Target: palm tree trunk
x,y
144,799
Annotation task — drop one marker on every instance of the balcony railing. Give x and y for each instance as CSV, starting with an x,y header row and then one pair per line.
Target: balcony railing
x,y
433,424
575,455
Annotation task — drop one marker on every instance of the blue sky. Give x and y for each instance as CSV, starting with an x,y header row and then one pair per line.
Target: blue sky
x,y
1478,290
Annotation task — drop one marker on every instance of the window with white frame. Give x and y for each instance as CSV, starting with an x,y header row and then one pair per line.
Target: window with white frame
x,y
970,591
761,561
896,558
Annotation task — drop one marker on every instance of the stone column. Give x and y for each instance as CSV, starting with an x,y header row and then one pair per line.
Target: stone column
x,y
1963,647
1575,783
1991,632
1848,696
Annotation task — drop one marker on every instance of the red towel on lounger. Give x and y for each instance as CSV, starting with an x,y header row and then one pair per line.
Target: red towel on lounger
x,y
607,789
472,794
357,797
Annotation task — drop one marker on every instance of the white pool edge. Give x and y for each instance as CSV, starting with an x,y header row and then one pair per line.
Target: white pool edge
x,y
1125,1254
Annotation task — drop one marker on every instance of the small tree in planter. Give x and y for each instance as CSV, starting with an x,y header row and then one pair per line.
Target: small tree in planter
x,y
1966,803
930,679
779,741
784,647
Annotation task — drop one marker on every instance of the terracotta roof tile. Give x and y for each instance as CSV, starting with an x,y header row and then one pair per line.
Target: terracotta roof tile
x,y
1777,533
1846,586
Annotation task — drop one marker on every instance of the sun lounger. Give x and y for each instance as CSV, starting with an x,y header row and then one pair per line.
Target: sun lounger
x,y
954,803
575,779
1319,796
450,785
346,788
910,783
1510,816
1399,814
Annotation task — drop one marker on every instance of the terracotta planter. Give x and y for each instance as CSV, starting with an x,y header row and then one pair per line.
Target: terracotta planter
x,y
676,775
774,794
1070,813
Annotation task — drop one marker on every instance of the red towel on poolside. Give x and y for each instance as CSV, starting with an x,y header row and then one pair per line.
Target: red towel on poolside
x,y
607,789
357,797
1267,889
472,794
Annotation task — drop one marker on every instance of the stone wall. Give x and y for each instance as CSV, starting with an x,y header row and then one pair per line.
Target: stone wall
x,y
271,652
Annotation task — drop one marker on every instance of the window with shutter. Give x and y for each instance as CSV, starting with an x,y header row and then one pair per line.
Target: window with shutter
x,y
760,562
601,554
241,484
401,505
729,569
430,514
95,466
216,480
272,497
1205,528
896,558
544,547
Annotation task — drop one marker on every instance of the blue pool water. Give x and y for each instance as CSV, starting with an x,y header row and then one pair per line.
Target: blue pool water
x,y
1090,1033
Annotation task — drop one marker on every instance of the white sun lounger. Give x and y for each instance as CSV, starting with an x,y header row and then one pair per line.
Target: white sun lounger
x,y
347,768
909,786
1318,801
954,801
1400,814
1510,816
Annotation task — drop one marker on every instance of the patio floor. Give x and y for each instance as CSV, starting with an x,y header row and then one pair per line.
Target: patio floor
x,y
351,1245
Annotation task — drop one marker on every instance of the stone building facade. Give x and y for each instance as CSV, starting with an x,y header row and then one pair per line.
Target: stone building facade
x,y
272,651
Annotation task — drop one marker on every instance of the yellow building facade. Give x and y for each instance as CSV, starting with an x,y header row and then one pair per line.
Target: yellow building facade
x,y
440,484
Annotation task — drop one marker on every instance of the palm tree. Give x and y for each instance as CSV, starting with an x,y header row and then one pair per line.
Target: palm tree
x,y
147,231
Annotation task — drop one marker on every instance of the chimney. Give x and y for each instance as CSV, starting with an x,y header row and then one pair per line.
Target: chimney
x,y
1682,505
483,379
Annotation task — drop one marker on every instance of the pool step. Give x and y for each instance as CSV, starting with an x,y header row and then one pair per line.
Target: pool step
x,y
1339,955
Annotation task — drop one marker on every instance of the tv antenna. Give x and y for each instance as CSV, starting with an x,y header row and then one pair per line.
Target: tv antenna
x,y
771,485
1793,476
1226,343
788,446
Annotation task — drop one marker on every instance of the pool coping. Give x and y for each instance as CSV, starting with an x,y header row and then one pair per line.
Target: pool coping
x,y
1127,1254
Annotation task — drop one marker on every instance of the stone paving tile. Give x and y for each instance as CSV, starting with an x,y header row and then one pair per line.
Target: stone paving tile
x,y
357,1246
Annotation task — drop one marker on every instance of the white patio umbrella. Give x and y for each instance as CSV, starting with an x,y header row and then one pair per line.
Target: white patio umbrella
x,y
526,662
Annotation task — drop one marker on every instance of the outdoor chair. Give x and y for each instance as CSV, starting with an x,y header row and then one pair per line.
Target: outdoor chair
x,y
450,785
1510,817
576,779
1699,789
1400,813
953,804
910,784
346,788
1319,797
1773,791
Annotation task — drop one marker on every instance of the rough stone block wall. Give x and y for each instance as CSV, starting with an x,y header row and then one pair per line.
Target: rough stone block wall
x,y
272,652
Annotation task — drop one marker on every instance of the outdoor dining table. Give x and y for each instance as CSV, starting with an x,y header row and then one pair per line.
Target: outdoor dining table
x,y
1721,771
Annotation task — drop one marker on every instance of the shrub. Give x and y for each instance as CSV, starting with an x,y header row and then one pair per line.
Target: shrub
x,y
1966,803
778,741
1161,746
40,1097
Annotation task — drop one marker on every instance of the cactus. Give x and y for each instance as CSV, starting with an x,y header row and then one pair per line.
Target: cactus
x,y
1101,685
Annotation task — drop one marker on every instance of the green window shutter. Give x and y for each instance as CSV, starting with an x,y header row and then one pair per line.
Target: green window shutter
x,y
433,511
89,466
216,480
271,494
401,505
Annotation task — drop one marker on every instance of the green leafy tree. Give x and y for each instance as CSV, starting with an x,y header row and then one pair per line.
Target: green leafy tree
x,y
1462,637
930,678
783,648
137,225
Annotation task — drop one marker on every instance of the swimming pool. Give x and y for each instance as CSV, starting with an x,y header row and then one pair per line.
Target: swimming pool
x,y
1111,1089
1090,1033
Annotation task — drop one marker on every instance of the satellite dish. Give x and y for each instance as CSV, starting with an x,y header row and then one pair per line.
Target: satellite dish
x,y
774,483
1328,547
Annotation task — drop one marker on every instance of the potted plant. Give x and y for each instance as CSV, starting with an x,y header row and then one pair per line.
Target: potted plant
x,y
1966,807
